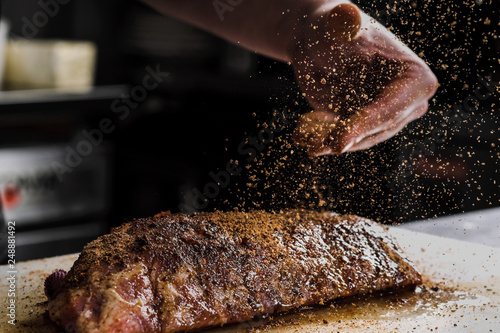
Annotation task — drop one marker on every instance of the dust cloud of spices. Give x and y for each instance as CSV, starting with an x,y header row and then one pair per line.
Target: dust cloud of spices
x,y
445,162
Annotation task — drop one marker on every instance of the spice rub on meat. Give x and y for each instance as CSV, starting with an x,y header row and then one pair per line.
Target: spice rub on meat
x,y
176,272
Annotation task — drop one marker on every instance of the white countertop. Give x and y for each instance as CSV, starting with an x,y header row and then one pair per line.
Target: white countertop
x,y
467,277
481,226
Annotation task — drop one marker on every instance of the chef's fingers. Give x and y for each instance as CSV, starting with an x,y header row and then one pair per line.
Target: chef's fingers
x,y
314,131
397,101
320,132
390,131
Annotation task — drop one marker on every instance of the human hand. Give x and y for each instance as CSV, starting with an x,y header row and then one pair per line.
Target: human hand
x,y
363,83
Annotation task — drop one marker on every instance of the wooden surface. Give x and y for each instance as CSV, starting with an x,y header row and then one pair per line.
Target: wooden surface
x,y
467,297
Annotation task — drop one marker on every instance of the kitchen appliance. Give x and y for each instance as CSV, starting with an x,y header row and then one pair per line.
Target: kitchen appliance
x,y
54,183
34,191
52,213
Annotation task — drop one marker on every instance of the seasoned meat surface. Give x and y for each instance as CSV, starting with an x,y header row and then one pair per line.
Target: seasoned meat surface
x,y
176,272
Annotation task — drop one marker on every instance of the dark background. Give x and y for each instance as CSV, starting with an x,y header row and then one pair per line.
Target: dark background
x,y
217,95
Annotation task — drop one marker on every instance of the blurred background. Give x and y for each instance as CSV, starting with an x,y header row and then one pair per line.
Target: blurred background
x,y
111,111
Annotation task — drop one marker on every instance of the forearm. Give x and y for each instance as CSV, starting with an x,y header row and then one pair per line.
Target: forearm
x,y
268,27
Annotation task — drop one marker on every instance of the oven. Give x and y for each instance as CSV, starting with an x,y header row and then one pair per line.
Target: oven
x,y
54,185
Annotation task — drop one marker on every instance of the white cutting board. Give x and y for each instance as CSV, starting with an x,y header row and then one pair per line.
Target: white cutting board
x,y
472,305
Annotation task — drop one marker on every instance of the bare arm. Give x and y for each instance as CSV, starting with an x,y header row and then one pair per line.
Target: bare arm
x,y
269,27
